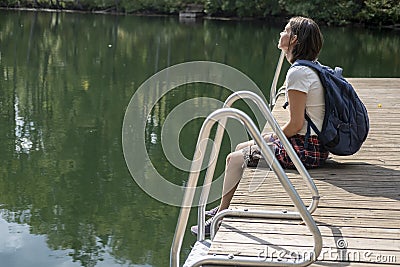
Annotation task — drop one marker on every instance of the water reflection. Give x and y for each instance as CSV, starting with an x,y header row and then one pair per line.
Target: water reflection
x,y
66,194
18,247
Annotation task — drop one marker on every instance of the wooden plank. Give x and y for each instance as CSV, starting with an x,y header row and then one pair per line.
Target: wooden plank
x,y
323,211
338,203
289,227
298,240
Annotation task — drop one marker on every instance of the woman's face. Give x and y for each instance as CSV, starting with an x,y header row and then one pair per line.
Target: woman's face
x,y
284,39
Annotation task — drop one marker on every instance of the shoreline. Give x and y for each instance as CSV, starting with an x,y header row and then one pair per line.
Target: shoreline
x,y
111,11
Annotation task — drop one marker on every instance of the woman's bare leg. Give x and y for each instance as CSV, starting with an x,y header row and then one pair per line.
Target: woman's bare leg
x,y
233,174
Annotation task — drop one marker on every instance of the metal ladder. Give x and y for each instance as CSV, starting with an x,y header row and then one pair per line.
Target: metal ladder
x,y
303,212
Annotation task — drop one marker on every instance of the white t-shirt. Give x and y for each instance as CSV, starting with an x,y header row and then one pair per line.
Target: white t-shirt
x,y
306,80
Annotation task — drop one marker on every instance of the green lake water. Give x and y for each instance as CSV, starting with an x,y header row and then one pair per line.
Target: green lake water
x,y
67,197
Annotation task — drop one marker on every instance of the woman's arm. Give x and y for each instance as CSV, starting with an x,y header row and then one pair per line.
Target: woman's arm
x,y
297,105
297,100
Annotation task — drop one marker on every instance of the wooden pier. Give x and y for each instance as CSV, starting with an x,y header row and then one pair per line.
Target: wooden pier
x,y
192,11
359,210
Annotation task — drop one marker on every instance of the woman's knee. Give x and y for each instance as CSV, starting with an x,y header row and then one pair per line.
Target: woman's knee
x,y
239,147
235,158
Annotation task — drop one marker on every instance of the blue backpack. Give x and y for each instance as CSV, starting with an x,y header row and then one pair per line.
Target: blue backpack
x,y
346,122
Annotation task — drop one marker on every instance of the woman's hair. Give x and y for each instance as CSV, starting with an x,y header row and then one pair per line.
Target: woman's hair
x,y
309,39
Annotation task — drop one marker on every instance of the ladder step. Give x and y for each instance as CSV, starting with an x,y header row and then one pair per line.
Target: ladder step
x,y
200,249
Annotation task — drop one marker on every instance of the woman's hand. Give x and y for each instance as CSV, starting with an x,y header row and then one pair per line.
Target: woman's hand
x,y
269,137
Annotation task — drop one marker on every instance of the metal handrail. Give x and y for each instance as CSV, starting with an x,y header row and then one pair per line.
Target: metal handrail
x,y
273,92
210,171
275,166
288,147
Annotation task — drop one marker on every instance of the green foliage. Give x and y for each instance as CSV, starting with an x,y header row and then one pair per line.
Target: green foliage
x,y
128,6
242,8
339,12
328,11
336,12
381,12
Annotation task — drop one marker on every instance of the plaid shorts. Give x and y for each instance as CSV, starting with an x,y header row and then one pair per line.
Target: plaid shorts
x,y
313,156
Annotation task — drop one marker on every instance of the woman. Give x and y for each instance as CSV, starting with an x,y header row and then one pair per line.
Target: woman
x,y
301,39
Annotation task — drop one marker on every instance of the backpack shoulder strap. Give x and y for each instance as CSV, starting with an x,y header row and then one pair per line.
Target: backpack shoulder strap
x,y
312,125
322,69
319,68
